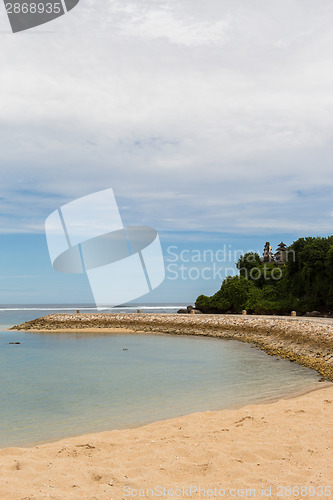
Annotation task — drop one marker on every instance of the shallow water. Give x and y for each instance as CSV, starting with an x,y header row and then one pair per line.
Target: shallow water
x,y
57,385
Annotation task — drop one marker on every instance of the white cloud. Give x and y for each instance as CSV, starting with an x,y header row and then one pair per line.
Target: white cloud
x,y
153,24
200,116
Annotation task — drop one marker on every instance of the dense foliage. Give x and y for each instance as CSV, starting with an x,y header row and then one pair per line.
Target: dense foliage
x,y
310,273
304,283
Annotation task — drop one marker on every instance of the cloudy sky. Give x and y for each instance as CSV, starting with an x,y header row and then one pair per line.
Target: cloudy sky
x,y
204,116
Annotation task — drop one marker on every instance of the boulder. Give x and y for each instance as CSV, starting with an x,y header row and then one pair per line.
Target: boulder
x,y
313,314
189,310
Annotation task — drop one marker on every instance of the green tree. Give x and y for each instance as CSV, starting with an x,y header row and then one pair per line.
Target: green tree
x,y
310,272
231,297
247,264
303,284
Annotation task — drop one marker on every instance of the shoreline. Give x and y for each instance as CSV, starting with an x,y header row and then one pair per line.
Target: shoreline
x,y
315,386
270,400
307,341
269,445
274,444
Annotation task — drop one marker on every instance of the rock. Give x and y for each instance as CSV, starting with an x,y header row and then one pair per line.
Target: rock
x,y
313,314
189,310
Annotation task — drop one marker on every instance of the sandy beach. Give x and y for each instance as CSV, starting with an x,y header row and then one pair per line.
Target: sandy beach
x,y
278,450
275,447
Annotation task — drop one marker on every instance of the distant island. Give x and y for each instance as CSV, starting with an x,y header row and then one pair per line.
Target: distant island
x,y
296,278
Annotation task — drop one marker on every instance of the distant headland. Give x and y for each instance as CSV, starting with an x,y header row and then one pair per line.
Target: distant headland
x,y
296,278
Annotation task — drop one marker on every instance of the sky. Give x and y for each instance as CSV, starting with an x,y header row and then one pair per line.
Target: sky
x,y
211,120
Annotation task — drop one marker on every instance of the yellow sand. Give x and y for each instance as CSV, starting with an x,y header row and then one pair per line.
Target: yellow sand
x,y
277,445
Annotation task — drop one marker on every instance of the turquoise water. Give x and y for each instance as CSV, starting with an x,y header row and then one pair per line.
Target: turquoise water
x,y
58,385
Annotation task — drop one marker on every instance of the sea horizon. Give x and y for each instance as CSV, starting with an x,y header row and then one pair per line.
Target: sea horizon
x,y
14,314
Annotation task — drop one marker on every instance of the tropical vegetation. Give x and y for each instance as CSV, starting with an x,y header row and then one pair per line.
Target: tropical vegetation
x,y
303,283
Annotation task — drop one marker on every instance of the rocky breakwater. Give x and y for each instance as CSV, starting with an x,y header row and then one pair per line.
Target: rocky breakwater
x,y
308,341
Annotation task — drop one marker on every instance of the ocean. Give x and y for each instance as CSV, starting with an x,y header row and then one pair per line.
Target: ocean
x,y
14,314
57,385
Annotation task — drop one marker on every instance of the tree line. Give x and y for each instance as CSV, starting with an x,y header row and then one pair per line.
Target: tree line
x,y
303,283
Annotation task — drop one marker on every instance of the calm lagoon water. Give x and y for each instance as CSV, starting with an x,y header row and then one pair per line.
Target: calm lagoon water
x,y
58,385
